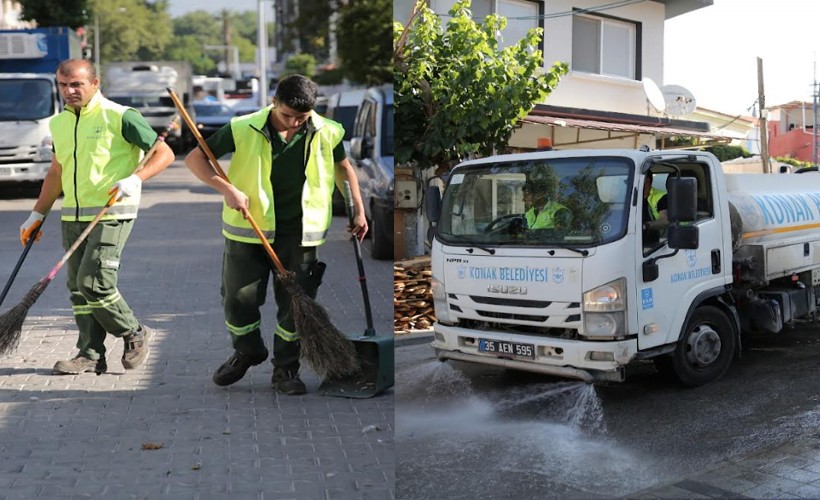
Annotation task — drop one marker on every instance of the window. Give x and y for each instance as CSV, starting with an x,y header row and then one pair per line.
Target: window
x,y
522,16
605,46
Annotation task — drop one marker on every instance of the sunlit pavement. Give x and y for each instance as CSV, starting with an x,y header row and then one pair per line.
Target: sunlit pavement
x,y
165,429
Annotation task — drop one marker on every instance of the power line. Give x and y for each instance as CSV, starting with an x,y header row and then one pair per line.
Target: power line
x,y
600,8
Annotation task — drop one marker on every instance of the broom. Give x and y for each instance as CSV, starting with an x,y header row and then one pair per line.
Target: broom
x,y
11,323
323,346
19,264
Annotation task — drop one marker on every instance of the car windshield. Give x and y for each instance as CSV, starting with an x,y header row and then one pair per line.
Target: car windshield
x,y
573,202
213,110
26,99
346,115
144,101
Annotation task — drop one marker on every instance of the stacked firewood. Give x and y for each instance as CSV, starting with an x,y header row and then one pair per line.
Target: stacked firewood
x,y
412,297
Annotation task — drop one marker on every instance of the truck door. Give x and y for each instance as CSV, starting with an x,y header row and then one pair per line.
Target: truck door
x,y
684,274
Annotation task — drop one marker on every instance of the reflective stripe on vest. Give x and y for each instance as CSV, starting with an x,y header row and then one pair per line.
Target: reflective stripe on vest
x,y
250,172
92,151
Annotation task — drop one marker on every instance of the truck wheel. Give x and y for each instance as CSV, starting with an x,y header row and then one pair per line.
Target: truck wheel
x,y
705,350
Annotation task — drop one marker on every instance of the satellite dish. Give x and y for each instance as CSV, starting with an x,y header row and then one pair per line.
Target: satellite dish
x,y
654,94
679,101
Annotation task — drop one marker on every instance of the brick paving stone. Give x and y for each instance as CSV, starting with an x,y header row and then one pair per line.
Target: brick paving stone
x,y
59,428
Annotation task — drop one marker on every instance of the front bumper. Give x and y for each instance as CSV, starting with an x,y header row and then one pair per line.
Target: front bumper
x,y
23,172
559,357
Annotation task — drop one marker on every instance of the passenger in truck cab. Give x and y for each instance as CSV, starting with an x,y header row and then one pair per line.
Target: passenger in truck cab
x,y
543,212
654,202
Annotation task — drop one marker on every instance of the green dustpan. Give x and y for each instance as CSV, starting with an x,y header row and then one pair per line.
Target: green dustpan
x,y
375,352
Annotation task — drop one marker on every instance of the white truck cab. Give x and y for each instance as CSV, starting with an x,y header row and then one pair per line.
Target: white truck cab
x,y
601,283
28,101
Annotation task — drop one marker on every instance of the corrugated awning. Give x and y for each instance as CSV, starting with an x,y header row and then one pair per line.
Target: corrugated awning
x,y
627,128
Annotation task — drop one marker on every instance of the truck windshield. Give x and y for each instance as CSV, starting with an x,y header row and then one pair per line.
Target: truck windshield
x,y
563,202
26,99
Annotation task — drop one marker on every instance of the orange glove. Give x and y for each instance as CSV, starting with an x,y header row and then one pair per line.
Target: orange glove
x,y
31,227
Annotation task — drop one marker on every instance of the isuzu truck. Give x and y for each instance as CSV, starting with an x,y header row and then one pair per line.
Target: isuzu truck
x,y
29,98
602,284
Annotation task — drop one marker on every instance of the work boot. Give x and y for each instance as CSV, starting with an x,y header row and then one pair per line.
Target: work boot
x,y
79,364
136,347
288,382
235,367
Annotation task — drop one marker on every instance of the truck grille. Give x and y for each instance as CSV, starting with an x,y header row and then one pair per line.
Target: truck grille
x,y
542,315
18,154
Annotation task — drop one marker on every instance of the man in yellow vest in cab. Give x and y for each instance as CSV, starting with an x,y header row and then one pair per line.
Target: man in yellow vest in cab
x,y
286,161
654,203
544,212
97,145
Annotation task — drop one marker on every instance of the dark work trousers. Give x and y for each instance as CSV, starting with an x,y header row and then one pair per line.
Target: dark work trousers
x,y
246,268
92,280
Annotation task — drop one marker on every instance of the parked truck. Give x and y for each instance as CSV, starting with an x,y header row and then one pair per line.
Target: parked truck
x,y
142,85
601,288
29,98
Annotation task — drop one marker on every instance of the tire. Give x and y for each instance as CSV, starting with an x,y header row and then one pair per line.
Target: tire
x,y
380,248
706,347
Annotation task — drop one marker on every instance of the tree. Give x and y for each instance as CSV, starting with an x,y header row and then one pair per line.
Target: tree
x,y
301,64
131,29
363,39
457,92
56,12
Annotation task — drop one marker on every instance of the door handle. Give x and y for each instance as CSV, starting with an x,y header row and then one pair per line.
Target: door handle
x,y
715,261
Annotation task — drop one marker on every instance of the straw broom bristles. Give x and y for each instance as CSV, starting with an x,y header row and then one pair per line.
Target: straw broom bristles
x,y
331,354
11,323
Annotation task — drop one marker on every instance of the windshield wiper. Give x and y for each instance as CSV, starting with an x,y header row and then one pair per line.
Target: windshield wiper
x,y
583,251
490,251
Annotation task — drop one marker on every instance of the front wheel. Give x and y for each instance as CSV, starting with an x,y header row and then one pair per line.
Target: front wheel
x,y
705,350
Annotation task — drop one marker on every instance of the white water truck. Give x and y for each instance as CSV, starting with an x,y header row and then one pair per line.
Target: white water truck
x,y
602,288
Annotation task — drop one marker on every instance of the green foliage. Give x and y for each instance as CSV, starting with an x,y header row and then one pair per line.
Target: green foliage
x,y
300,64
329,77
793,162
725,152
457,92
131,29
363,38
56,12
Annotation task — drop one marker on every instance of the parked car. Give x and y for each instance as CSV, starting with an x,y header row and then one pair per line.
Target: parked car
x,y
343,107
371,149
211,116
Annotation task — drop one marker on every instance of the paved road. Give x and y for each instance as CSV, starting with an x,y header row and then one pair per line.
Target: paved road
x,y
474,432
84,436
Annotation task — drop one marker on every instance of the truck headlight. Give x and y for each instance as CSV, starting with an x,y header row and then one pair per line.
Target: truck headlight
x,y
440,301
604,310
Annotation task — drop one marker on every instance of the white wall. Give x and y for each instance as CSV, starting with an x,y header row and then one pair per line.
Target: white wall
x,y
583,90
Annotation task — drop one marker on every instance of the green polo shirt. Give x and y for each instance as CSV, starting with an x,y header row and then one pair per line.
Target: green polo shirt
x,y
287,172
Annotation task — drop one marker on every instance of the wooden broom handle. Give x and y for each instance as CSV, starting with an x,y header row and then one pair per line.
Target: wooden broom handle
x,y
221,173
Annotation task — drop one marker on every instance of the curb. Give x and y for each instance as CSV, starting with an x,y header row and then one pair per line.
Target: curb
x,y
415,338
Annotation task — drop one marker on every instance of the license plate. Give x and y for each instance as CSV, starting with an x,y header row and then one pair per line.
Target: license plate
x,y
503,348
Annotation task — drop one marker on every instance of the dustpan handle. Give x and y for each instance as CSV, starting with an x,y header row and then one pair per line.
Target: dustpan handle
x,y
370,332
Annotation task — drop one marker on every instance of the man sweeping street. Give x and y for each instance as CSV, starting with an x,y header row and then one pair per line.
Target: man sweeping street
x,y
97,145
286,160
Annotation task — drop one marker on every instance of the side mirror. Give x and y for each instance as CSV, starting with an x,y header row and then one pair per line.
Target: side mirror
x,y
683,202
356,148
367,146
683,237
432,205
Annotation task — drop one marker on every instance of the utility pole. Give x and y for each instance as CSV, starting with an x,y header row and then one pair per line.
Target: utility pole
x,y
814,118
764,132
